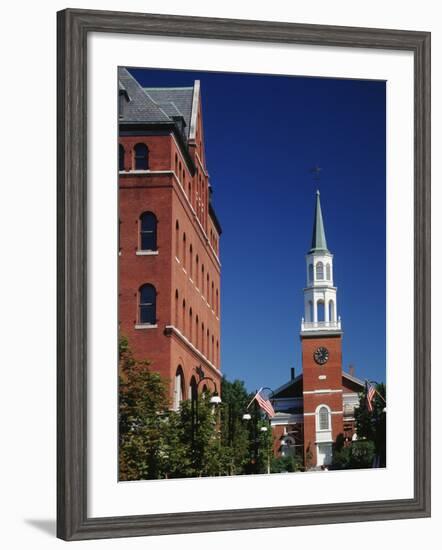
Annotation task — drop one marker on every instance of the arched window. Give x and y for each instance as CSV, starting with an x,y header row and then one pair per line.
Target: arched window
x,y
202,338
213,296
208,344
202,280
217,353
331,311
310,273
190,324
176,310
178,388
213,349
217,303
323,418
147,305
183,327
197,267
184,250
193,389
320,271
197,331
310,311
120,158
177,239
190,261
208,289
328,271
321,311
141,156
148,231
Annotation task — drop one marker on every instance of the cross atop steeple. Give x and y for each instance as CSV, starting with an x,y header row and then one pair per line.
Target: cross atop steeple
x,y
319,242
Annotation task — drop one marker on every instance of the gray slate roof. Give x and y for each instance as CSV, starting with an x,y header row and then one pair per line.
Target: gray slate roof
x,y
154,104
140,107
174,101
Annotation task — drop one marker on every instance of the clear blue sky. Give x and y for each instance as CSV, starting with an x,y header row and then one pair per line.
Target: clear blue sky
x,y
263,134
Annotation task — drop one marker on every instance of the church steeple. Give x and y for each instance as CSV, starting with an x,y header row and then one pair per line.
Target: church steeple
x,y
319,242
320,294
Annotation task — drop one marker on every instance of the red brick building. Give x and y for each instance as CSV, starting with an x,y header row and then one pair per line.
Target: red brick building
x,y
169,267
316,407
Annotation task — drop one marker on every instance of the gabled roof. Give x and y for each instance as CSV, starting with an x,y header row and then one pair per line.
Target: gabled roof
x,y
139,107
319,242
174,102
283,390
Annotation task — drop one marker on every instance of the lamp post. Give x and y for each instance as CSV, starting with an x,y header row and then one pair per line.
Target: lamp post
x,y
215,399
263,429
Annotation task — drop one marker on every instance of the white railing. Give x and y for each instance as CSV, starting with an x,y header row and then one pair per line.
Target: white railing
x,y
320,325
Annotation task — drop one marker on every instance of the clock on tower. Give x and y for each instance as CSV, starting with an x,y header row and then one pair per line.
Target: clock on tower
x,y
321,338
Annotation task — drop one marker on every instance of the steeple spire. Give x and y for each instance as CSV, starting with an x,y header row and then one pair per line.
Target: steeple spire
x,y
319,241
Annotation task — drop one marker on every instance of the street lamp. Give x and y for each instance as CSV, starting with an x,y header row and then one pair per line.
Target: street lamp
x,y
215,400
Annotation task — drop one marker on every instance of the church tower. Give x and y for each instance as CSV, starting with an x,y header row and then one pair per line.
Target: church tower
x,y
321,339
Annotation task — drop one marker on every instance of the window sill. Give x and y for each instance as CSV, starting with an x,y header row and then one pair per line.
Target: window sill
x,y
145,326
146,252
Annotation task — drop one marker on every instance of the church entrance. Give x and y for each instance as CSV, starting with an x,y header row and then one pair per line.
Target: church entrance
x,y
324,454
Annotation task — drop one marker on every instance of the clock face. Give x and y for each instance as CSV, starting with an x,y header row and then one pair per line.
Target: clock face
x,y
321,355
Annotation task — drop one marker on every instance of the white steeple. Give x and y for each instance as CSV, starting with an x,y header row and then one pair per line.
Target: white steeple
x,y
320,303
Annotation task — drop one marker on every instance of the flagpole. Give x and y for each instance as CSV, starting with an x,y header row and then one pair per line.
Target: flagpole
x,y
366,389
253,398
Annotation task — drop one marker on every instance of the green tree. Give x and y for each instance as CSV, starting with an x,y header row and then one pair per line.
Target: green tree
x,y
234,430
143,405
371,425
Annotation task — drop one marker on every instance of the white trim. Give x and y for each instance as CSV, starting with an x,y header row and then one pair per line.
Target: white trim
x,y
177,259
331,412
201,165
146,253
142,326
322,377
192,347
194,112
308,392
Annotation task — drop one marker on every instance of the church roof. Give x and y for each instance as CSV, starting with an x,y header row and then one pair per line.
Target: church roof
x,y
319,242
293,387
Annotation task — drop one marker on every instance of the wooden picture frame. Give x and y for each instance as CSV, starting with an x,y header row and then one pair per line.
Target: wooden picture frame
x,y
73,28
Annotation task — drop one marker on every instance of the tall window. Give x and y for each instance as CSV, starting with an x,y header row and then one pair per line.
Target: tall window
x,y
191,261
178,389
197,267
197,332
141,156
177,239
193,389
148,231
147,305
310,273
120,157
328,272
320,311
190,325
176,310
184,250
183,328
323,418
331,310
319,271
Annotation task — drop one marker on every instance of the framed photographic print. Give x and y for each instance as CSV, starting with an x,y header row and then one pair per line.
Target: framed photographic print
x,y
243,274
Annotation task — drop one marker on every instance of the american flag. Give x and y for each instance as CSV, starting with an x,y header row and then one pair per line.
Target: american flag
x,y
371,392
265,405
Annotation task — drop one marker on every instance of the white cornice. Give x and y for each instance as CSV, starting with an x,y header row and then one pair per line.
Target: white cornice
x,y
189,344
